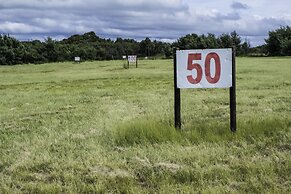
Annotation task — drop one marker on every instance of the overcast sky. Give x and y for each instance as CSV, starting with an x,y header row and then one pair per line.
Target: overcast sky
x,y
158,19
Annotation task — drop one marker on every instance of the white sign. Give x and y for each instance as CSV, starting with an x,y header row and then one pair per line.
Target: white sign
x,y
124,57
207,68
77,59
131,58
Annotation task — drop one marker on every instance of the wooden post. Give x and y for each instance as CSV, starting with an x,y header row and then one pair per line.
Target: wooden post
x,y
136,62
177,97
232,95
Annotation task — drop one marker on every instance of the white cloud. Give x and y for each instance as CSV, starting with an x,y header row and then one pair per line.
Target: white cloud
x,y
239,5
163,19
12,27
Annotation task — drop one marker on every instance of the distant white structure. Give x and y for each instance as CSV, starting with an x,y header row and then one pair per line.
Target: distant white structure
x,y
131,58
77,59
124,57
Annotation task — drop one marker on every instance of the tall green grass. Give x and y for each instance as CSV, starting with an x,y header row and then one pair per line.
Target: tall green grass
x,y
96,127
149,131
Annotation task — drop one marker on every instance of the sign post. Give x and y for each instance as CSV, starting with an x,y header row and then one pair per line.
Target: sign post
x,y
205,68
177,98
232,96
77,59
132,59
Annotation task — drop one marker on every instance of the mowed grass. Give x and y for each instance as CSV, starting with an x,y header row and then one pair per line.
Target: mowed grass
x,y
96,127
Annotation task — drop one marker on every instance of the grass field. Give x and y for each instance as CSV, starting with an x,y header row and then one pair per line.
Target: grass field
x,y
96,127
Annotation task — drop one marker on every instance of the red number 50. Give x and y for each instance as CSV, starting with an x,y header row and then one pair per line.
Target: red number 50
x,y
197,57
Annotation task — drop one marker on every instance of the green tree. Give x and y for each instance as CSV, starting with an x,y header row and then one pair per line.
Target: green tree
x,y
11,51
50,50
245,48
235,40
225,41
279,42
146,47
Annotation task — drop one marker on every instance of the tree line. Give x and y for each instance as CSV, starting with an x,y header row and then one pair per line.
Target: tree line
x,y
89,46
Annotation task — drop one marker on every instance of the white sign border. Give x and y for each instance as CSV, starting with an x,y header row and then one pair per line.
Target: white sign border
x,y
226,68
